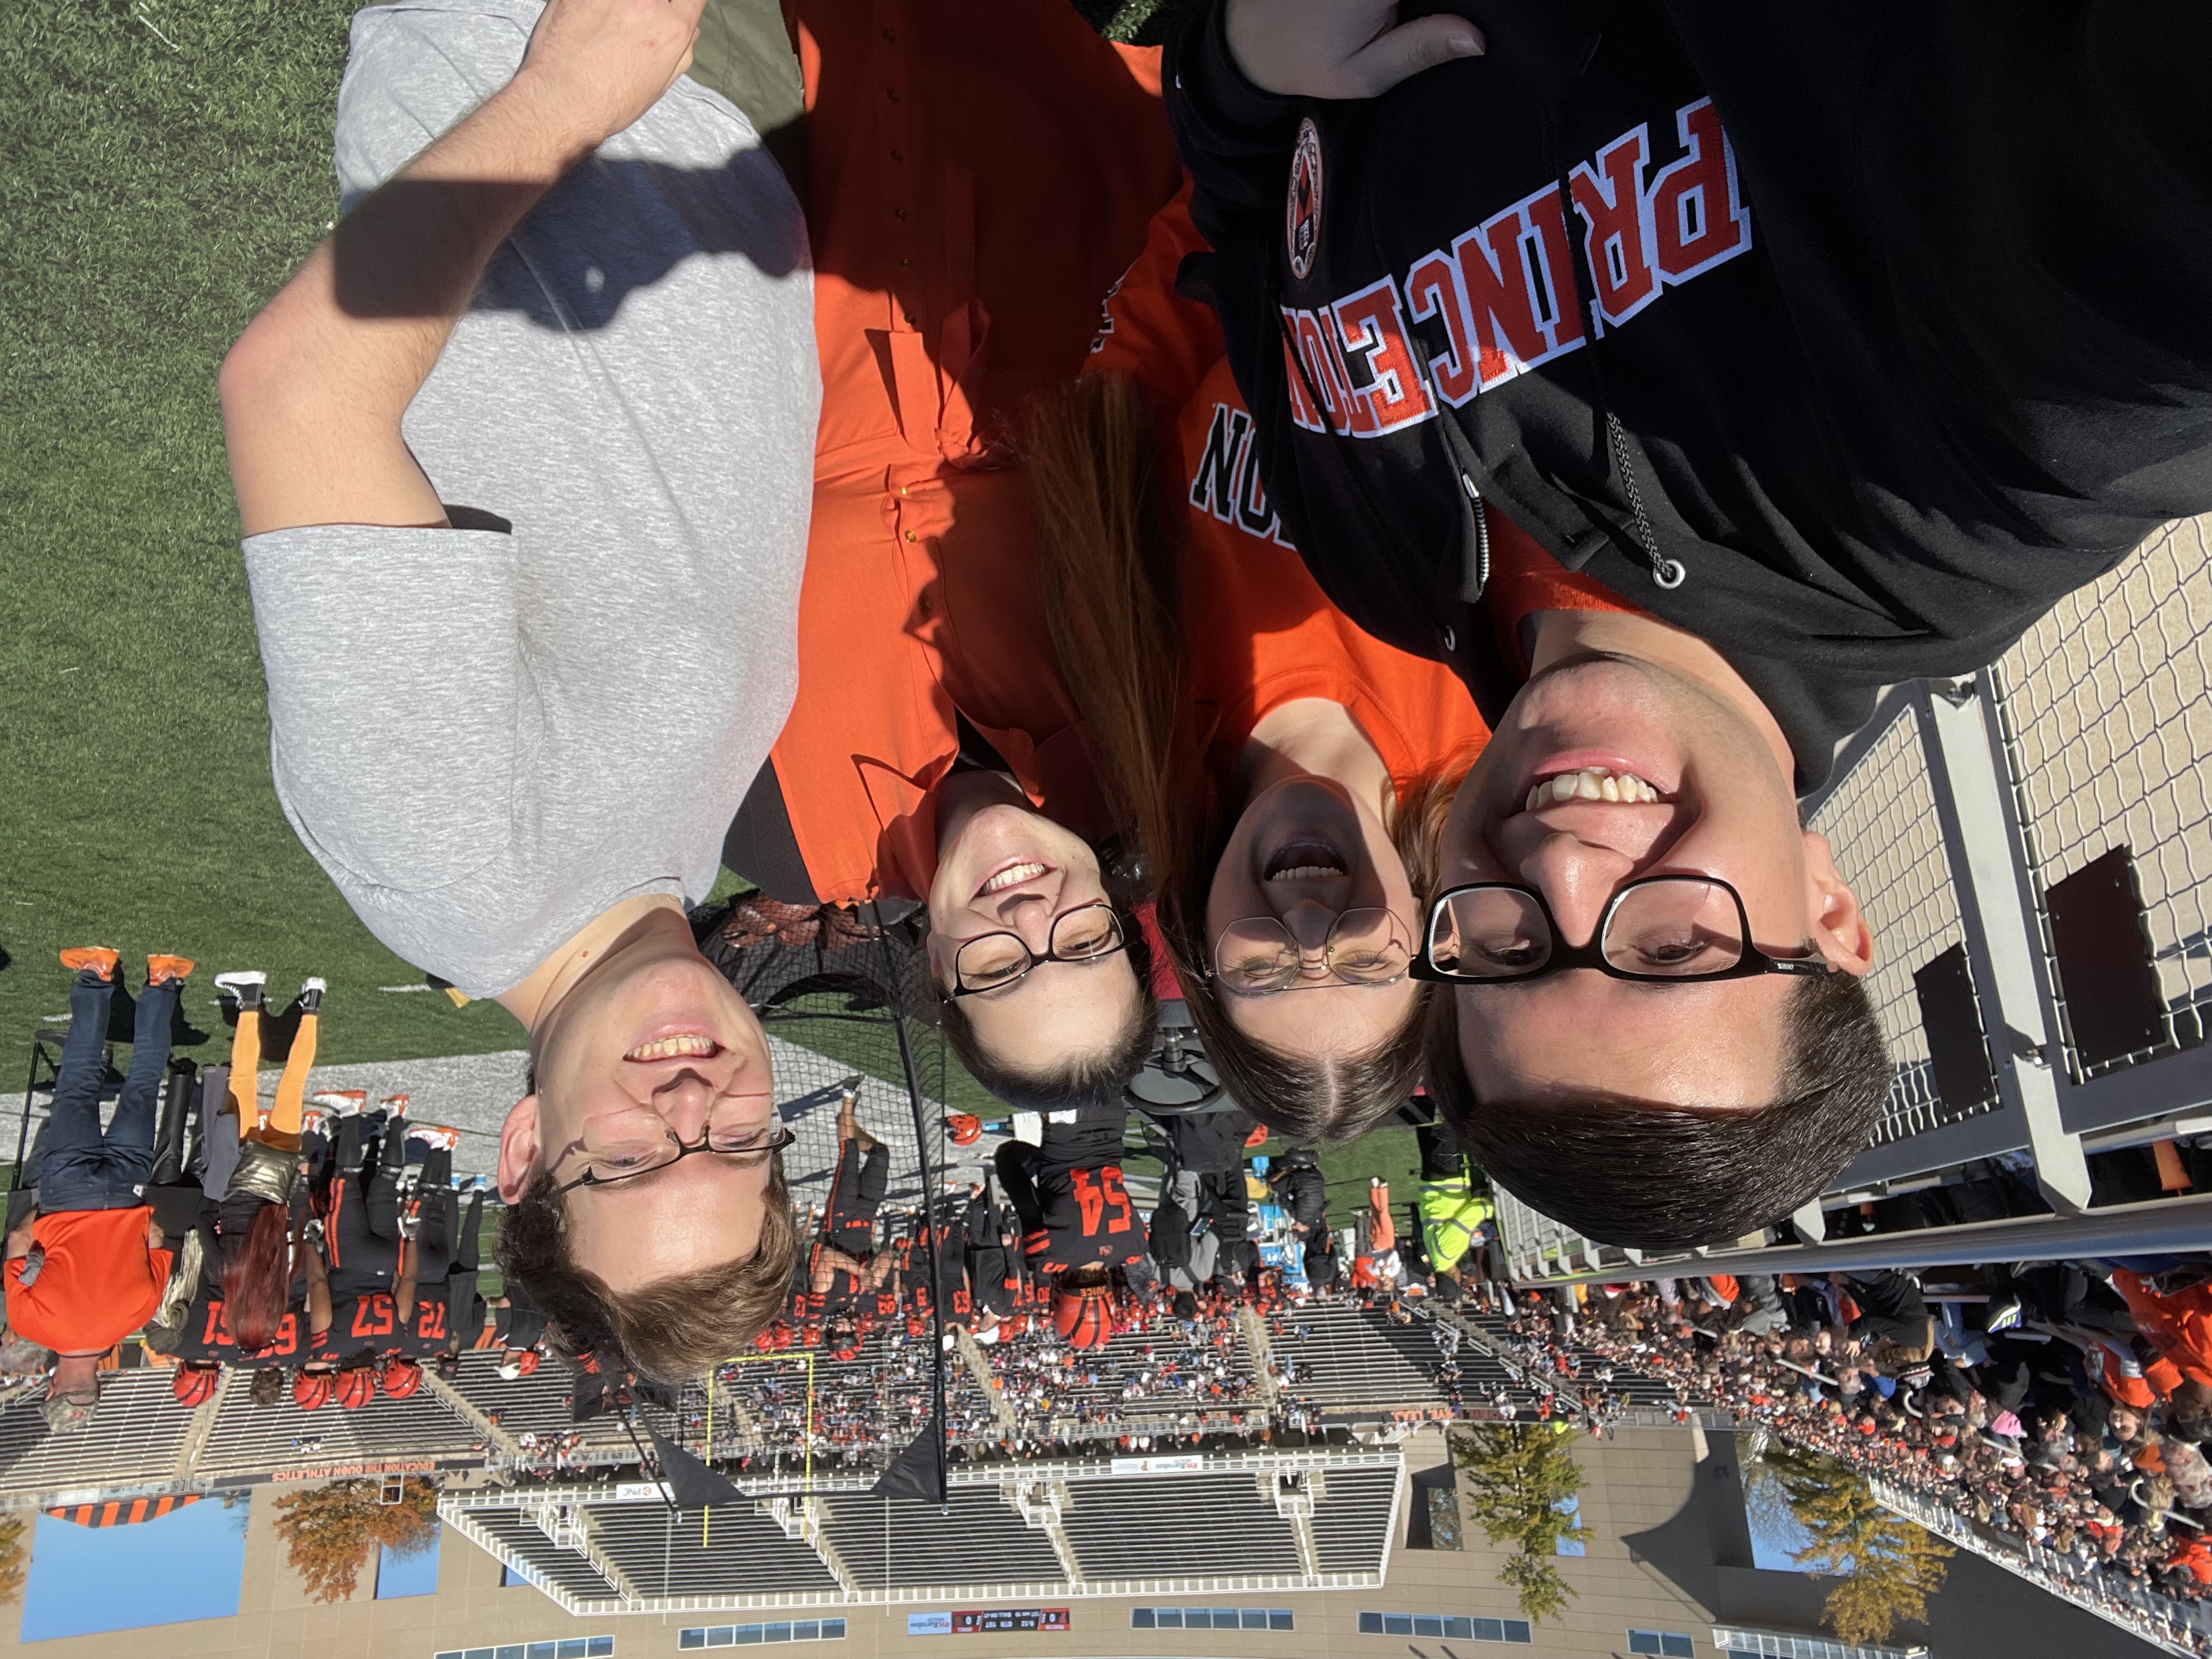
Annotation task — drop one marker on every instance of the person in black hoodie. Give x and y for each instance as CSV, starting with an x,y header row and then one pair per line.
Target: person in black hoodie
x,y
1828,349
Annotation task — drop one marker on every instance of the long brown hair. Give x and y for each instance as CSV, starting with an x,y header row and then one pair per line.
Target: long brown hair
x,y
1109,549
256,1277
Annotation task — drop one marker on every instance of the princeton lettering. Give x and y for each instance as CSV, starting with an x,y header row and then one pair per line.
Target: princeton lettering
x,y
1501,296
1698,215
1610,199
1370,325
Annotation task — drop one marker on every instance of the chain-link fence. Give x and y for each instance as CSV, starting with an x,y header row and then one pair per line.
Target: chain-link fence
x,y
2106,709
1881,825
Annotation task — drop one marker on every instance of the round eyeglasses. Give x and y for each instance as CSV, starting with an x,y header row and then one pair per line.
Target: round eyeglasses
x,y
1257,957
992,961
1669,929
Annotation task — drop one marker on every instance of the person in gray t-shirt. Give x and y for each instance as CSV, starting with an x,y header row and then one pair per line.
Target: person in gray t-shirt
x,y
524,455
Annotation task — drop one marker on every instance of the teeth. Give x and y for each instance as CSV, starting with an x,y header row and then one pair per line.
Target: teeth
x,y
1591,783
1013,876
1306,872
673,1048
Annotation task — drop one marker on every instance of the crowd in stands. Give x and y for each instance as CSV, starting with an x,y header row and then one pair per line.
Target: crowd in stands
x,y
2061,1409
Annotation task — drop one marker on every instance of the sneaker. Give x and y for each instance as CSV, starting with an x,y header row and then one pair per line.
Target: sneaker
x,y
431,1134
162,970
245,987
2003,1315
311,995
395,1105
343,1102
93,959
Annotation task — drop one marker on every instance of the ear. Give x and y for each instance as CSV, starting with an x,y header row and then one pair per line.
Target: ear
x,y
518,1150
1832,916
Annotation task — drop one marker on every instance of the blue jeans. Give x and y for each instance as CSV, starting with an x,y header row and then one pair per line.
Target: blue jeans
x,y
83,1169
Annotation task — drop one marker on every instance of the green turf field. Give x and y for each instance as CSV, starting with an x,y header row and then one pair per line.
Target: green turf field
x,y
168,163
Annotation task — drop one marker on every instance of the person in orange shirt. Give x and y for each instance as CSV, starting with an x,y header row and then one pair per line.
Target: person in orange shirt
x,y
1282,771
974,176
87,1267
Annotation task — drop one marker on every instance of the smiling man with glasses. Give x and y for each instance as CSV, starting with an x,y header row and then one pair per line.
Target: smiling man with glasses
x,y
1754,361
1655,1029
578,667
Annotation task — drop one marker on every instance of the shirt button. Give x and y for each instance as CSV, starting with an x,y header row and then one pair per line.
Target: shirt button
x,y
910,535
1451,640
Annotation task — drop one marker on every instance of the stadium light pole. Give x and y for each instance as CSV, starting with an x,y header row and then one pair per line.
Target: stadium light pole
x,y
937,1423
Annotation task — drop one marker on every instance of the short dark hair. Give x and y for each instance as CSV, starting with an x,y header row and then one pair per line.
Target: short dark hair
x,y
673,1329
1069,1081
267,1386
1623,1171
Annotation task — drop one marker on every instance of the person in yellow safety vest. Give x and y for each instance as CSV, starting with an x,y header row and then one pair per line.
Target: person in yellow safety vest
x,y
1452,1211
1452,1215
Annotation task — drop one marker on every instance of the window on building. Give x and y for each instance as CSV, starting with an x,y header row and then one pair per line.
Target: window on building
x,y
1449,1626
1211,1619
747,1636
574,1647
1672,1643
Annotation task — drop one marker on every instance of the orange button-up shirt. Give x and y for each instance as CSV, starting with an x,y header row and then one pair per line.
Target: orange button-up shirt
x,y
978,174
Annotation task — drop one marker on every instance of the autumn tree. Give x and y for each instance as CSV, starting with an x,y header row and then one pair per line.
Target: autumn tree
x,y
12,1562
1520,1478
329,1532
1889,1566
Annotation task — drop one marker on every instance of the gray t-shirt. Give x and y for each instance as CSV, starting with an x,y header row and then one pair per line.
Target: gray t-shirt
x,y
489,738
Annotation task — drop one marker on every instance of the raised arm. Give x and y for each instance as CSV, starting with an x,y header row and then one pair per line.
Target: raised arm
x,y
1237,75
313,391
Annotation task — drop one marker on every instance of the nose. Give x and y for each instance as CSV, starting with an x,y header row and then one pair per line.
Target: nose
x,y
683,1102
1576,879
1308,922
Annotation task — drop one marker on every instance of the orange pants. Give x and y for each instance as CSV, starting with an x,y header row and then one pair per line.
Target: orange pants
x,y
1381,1235
280,1126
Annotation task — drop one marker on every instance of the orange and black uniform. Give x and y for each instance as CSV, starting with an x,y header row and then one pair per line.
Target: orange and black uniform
x,y
978,173
1068,1192
361,1322
856,1193
205,1332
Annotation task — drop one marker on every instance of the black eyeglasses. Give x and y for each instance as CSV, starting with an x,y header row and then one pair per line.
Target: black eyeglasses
x,y
628,1147
992,961
1667,930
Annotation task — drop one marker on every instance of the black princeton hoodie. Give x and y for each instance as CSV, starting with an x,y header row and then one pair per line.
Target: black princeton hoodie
x,y
1872,331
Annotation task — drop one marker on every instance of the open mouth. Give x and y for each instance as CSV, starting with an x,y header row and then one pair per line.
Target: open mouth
x,y
689,1045
1306,860
1011,875
1598,783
